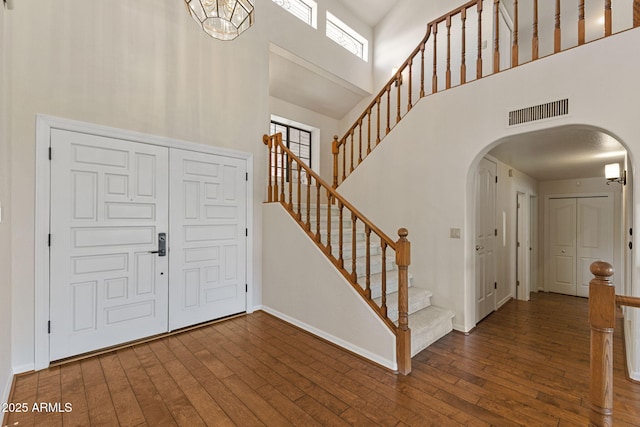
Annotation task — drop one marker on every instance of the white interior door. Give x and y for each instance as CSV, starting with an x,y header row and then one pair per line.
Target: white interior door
x,y
109,201
208,228
562,246
580,232
486,238
594,237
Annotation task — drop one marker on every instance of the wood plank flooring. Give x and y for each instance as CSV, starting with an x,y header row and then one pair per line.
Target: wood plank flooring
x,y
526,364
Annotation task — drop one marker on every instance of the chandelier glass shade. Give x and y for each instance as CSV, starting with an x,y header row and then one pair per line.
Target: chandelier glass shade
x,y
222,19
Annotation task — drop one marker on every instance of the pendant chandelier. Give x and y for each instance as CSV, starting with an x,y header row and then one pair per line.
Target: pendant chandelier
x,y
222,19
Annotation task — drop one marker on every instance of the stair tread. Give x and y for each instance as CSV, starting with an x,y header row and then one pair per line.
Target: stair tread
x,y
414,292
428,326
426,317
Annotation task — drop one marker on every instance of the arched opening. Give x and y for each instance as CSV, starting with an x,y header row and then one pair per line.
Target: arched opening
x,y
545,220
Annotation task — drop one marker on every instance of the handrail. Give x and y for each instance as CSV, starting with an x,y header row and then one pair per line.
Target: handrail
x,y
283,165
602,318
360,139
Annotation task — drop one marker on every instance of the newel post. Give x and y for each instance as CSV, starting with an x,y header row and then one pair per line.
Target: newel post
x,y
636,13
602,318
403,336
335,150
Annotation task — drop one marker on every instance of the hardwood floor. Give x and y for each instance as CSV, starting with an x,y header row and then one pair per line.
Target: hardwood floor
x,y
526,364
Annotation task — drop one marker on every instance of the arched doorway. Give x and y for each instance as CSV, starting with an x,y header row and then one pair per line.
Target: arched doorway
x,y
532,169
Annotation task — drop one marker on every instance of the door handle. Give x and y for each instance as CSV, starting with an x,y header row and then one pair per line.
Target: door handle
x,y
478,247
162,245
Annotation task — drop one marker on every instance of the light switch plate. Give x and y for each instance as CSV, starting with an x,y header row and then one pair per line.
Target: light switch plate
x,y
454,233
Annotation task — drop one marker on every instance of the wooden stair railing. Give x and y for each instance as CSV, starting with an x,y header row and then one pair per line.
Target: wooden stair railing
x,y
408,84
299,194
602,319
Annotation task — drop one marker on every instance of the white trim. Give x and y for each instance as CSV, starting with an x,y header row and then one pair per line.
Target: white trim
x,y
44,125
504,301
333,339
632,366
7,388
21,369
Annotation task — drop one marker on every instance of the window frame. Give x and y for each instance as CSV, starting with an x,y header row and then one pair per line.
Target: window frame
x,y
287,142
313,10
349,32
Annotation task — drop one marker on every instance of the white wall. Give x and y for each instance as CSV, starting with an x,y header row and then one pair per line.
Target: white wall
x,y
6,373
307,290
421,177
506,212
586,186
142,66
312,45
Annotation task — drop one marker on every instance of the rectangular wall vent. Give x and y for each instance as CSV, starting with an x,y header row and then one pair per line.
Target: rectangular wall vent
x,y
539,112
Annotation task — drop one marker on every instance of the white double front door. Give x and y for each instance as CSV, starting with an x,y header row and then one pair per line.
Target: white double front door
x,y
114,204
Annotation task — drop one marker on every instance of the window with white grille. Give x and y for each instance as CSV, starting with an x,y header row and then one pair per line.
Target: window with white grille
x,y
304,10
346,37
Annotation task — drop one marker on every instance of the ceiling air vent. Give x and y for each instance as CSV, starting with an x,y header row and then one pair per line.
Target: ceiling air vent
x,y
539,112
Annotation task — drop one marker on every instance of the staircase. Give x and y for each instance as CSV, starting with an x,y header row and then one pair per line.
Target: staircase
x,y
428,323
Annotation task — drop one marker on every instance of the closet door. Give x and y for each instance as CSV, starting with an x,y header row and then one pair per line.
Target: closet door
x,y
594,237
562,246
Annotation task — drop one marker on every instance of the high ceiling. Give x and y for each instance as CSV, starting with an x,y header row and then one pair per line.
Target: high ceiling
x,y
370,11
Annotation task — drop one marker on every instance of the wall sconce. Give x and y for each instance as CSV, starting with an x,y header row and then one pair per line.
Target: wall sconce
x,y
612,173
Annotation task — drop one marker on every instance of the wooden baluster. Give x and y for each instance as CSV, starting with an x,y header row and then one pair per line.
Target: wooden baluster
x,y
422,48
636,13
299,214
351,156
403,334
340,236
282,172
607,18
354,272
434,78
399,95
534,39
290,177
318,239
383,302
479,60
410,86
557,34
309,177
369,132
335,150
388,110
360,143
266,139
463,62
378,100
602,319
344,159
514,47
581,24
496,32
329,204
448,73
367,289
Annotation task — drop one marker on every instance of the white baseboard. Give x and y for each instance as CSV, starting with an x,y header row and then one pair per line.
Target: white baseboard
x,y
6,389
391,364
21,369
504,301
632,365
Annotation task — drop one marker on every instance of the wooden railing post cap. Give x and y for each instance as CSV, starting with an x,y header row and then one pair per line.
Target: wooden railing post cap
x,y
601,269
266,138
403,249
334,145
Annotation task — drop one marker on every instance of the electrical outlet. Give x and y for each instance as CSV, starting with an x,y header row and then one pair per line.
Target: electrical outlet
x,y
454,233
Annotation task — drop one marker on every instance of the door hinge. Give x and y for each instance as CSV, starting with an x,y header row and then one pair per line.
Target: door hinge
x,y
246,176
517,244
517,282
50,153
495,285
246,232
49,240
246,287
49,327
495,231
496,179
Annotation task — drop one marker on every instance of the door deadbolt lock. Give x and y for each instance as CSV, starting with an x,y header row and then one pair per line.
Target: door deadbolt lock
x,y
162,245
